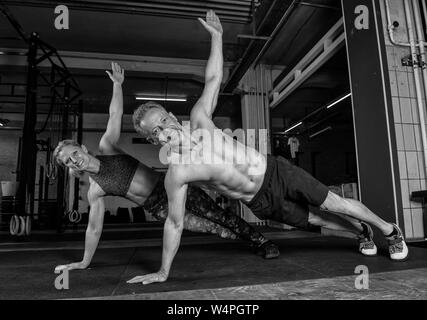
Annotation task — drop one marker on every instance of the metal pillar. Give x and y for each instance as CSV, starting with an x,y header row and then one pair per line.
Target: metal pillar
x,y
376,148
27,163
47,180
79,140
40,193
62,172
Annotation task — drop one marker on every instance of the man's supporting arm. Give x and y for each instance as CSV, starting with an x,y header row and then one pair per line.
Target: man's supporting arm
x,y
177,193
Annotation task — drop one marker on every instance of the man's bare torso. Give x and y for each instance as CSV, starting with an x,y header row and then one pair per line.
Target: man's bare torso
x,y
225,165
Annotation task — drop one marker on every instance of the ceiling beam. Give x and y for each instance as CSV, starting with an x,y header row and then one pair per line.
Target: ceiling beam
x,y
325,49
191,68
269,17
320,6
230,11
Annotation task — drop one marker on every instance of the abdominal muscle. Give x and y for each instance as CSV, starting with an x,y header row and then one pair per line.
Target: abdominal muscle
x,y
236,171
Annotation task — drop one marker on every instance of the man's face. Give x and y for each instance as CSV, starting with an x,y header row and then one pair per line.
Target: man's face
x,y
74,158
162,127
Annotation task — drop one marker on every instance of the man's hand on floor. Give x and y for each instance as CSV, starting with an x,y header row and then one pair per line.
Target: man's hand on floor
x,y
149,278
72,266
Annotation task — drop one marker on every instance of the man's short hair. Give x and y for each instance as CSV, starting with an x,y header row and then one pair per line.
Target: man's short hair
x,y
140,113
62,144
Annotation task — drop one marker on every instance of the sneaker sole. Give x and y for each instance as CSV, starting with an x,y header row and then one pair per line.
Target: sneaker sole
x,y
368,255
268,256
271,256
400,260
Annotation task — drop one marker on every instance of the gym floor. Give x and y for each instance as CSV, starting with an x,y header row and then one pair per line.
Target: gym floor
x,y
311,266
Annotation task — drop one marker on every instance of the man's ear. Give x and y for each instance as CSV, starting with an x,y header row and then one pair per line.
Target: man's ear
x,y
84,148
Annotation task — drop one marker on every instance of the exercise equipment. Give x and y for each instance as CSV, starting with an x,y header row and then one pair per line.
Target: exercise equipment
x,y
14,225
74,216
64,91
20,226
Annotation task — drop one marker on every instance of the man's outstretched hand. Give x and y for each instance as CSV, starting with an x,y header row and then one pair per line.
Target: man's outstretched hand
x,y
212,23
149,278
118,75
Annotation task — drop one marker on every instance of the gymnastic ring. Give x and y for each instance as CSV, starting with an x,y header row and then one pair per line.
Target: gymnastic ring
x,y
11,226
73,216
70,216
22,227
14,225
28,226
79,216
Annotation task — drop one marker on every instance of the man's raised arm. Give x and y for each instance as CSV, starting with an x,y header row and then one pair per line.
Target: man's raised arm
x,y
177,194
112,133
206,104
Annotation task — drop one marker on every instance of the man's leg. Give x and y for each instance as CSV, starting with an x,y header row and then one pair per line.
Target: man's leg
x,y
355,209
337,222
334,222
201,204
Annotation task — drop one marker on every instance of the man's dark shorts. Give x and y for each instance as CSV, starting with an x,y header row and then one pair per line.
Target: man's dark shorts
x,y
286,194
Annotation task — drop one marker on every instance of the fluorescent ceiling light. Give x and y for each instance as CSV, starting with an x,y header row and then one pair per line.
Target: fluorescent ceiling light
x,y
161,99
293,127
316,111
338,101
320,132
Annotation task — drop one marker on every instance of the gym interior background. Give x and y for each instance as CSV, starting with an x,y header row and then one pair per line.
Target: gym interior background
x,y
292,67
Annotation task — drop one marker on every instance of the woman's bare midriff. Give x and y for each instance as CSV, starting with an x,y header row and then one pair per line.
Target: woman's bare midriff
x,y
142,185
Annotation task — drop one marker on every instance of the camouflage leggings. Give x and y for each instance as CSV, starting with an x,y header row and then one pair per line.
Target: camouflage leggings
x,y
203,215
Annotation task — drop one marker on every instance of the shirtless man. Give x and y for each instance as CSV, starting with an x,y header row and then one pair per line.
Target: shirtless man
x,y
271,187
115,173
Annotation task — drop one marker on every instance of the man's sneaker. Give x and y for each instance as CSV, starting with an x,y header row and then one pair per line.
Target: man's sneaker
x,y
268,250
396,245
367,246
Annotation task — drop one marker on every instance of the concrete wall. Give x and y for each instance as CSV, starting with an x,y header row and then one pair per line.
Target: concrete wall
x,y
407,125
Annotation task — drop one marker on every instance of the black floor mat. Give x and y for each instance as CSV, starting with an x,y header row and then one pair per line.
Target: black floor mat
x,y
30,275
419,244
